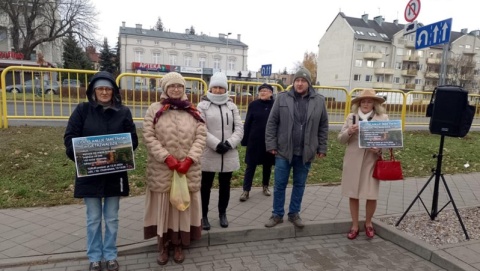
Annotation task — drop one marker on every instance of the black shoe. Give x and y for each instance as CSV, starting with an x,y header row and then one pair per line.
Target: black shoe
x,y
223,220
205,223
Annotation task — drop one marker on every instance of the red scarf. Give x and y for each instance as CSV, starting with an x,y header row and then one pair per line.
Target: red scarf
x,y
176,104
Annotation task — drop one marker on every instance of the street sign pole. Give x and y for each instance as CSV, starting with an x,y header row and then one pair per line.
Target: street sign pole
x,y
443,67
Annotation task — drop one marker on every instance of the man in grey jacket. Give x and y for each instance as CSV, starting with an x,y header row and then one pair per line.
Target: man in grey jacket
x,y
297,131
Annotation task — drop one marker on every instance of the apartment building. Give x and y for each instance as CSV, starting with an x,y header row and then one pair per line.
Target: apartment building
x,y
366,53
194,55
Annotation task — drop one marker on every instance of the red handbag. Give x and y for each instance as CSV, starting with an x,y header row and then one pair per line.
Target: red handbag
x,y
388,170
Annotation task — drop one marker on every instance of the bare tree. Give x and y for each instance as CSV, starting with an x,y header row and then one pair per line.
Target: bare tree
x,y
35,22
461,71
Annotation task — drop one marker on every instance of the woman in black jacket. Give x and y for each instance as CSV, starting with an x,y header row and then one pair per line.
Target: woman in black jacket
x,y
254,139
103,114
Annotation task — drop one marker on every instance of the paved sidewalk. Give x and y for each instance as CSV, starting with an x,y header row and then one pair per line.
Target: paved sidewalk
x,y
58,233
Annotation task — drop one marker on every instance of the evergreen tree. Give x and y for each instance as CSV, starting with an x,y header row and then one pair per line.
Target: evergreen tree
x,y
107,58
192,30
74,57
159,25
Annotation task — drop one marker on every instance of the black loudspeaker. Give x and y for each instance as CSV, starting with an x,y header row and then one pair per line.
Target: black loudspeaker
x,y
449,111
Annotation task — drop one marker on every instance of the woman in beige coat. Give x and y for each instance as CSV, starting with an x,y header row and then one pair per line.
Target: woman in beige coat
x,y
175,136
358,164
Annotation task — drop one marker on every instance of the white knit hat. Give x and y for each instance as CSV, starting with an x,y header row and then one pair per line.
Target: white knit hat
x,y
170,79
219,79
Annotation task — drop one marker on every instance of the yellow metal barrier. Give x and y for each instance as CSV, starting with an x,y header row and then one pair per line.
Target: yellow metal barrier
x,y
60,90
38,93
337,100
139,91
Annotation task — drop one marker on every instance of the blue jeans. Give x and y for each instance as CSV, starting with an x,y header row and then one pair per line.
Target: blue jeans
x,y
282,173
96,249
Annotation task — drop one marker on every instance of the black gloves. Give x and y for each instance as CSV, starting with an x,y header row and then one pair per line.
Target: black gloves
x,y
223,147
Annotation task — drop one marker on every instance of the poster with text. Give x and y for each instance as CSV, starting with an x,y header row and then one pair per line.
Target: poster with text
x,y
380,134
95,155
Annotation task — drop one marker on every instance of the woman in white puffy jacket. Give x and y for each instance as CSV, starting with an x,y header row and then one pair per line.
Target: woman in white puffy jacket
x,y
224,133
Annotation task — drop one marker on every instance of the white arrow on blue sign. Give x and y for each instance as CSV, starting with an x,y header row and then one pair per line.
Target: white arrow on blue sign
x,y
266,70
433,34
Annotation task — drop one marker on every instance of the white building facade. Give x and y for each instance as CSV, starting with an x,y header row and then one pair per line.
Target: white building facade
x,y
158,52
363,53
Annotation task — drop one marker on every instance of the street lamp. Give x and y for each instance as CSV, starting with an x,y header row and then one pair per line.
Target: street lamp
x,y
226,54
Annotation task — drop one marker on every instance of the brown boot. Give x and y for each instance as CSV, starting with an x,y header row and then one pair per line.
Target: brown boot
x,y
178,257
162,258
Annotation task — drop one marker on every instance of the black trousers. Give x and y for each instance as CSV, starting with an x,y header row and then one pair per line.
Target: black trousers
x,y
224,179
250,172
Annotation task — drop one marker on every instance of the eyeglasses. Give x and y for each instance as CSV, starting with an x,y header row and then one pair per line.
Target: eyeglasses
x,y
102,89
178,87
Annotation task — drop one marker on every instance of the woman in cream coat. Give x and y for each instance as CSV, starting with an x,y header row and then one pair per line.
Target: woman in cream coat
x,y
358,164
174,135
224,133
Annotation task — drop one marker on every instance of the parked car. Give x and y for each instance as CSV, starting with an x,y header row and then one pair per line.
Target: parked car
x,y
36,86
73,83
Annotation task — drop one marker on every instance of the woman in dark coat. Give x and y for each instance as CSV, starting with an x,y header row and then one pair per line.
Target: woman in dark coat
x,y
103,114
254,139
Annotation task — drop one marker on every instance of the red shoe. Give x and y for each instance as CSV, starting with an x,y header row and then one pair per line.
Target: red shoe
x,y
352,234
369,231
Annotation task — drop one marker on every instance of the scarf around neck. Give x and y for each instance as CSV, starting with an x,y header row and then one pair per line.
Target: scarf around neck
x,y
368,116
218,98
176,104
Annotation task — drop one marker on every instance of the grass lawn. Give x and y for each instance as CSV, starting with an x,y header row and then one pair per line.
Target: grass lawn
x,y
36,172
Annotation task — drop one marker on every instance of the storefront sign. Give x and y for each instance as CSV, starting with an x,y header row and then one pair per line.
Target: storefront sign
x,y
151,67
11,55
191,70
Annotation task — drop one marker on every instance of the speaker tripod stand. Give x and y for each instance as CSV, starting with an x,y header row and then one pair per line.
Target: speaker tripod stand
x,y
437,174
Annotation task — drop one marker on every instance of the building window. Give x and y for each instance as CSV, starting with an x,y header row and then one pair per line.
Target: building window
x,y
188,46
467,46
383,64
399,51
188,61
202,47
173,59
217,49
372,48
383,36
139,41
372,34
232,51
138,56
358,63
173,44
370,63
418,81
359,47
398,65
231,64
357,77
216,63
157,42
368,78
156,58
201,62
359,32
420,53
396,80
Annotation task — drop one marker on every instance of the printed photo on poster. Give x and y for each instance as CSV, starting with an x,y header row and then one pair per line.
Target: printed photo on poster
x,y
380,134
95,155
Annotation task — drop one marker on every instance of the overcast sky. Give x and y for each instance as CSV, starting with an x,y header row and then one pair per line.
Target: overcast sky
x,y
276,32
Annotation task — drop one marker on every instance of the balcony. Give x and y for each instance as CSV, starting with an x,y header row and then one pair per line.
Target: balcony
x,y
410,58
434,61
383,71
428,88
409,72
372,55
409,44
433,75
382,85
408,86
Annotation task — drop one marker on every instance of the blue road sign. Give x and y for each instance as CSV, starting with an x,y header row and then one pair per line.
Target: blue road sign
x,y
266,70
433,34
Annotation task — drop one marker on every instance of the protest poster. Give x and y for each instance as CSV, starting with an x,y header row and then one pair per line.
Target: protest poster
x,y
380,134
95,155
